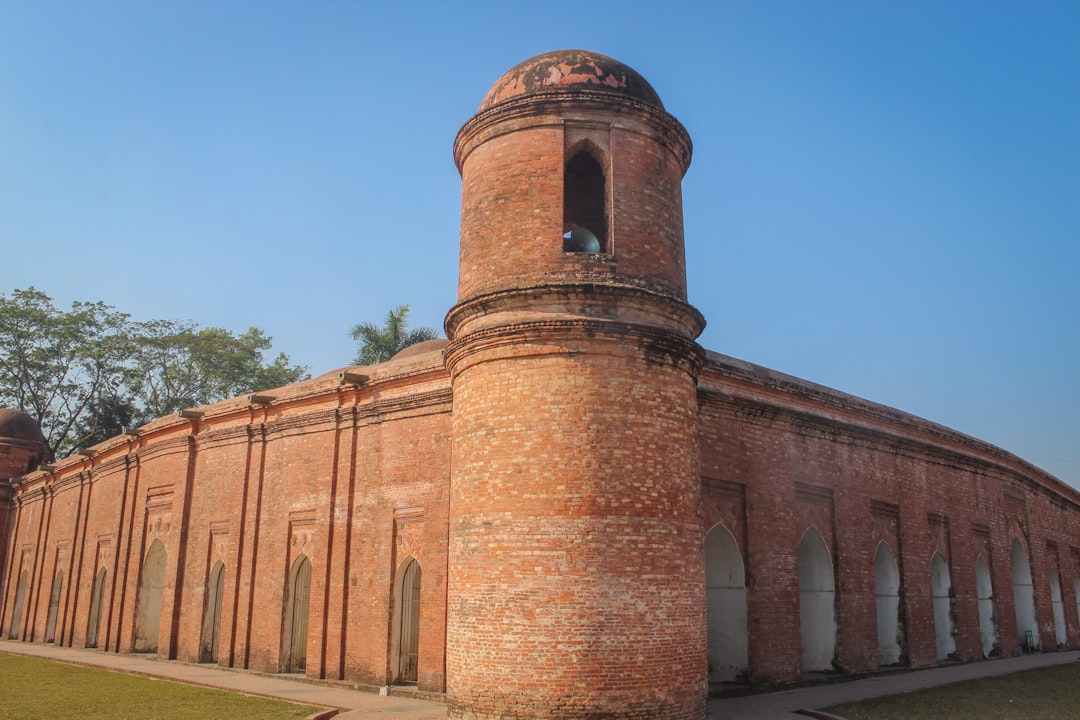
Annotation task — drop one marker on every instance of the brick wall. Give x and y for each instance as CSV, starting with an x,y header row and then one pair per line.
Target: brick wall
x,y
553,474
804,456
359,480
325,471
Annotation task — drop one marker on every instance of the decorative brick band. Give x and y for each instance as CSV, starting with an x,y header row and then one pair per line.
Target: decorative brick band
x,y
550,109
547,337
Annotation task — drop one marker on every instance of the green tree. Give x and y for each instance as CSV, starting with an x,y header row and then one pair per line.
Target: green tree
x,y
106,417
86,373
380,343
177,365
54,364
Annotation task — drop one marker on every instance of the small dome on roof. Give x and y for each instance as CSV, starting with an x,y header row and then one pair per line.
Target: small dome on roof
x,y
22,444
17,425
574,70
421,347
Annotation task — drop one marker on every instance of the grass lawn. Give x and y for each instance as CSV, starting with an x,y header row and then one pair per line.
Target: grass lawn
x,y
37,689
1044,694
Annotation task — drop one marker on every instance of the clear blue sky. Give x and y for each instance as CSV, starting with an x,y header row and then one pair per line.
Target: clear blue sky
x,y
884,197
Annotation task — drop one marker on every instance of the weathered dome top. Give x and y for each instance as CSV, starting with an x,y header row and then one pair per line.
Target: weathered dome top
x,y
17,425
421,347
570,70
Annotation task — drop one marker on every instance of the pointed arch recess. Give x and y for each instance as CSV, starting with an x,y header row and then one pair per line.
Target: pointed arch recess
x,y
988,623
406,631
295,630
97,602
54,606
887,592
149,599
1027,627
1061,634
585,201
725,597
211,626
20,601
944,614
817,603
1076,596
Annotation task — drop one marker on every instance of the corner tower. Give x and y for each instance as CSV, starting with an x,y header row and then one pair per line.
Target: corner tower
x,y
22,449
576,577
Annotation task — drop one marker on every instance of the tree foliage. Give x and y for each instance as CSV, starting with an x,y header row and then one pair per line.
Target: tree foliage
x,y
380,343
86,373
177,365
105,417
55,364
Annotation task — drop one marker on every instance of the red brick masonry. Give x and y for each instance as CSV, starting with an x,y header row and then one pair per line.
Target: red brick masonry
x,y
554,469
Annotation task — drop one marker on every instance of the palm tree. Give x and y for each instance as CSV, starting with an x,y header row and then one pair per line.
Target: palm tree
x,y
379,344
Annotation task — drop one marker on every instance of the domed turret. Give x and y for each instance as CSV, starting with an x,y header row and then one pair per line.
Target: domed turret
x,y
572,172
575,468
22,444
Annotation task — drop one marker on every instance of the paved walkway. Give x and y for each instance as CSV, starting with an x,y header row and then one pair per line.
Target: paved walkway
x,y
357,705
784,705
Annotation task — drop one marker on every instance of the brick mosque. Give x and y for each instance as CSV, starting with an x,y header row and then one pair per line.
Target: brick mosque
x,y
567,509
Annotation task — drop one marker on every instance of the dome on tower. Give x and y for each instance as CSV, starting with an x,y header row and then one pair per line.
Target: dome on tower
x,y
571,70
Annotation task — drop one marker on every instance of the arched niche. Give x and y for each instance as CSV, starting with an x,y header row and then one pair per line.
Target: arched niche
x,y
988,626
887,593
211,626
20,600
97,603
1027,628
54,606
295,630
725,598
1076,596
1061,633
817,603
149,600
944,622
405,648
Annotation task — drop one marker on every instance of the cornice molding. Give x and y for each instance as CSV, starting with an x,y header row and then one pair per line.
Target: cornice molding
x,y
224,436
553,107
994,462
580,298
174,444
575,336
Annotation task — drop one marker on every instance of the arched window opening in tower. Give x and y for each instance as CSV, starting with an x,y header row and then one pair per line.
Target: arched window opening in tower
x,y
585,224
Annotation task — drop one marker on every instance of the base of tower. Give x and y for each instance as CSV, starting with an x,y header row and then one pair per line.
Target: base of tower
x,y
639,704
